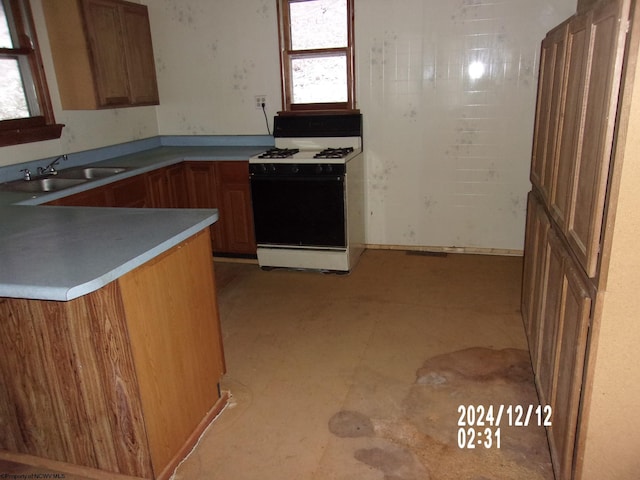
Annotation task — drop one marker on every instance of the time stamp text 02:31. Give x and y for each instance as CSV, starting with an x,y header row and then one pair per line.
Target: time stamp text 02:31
x,y
480,426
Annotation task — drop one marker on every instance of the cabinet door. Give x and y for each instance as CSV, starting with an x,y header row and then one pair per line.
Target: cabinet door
x,y
532,282
236,207
96,197
139,55
550,90
561,338
573,325
549,329
177,186
203,193
157,187
572,117
106,41
128,193
584,223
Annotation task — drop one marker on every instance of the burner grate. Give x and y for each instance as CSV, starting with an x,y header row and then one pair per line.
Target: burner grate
x,y
334,152
279,153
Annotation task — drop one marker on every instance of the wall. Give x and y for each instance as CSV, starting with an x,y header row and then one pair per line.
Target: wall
x,y
447,157
212,58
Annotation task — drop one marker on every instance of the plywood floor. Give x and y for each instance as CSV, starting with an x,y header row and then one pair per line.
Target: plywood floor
x,y
361,376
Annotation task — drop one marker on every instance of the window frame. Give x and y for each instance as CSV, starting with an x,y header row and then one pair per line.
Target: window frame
x,y
287,54
37,127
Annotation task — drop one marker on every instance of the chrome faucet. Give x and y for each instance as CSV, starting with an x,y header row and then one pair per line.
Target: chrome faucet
x,y
50,169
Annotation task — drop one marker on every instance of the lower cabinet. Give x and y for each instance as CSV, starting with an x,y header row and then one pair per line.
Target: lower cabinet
x,y
202,191
194,184
166,187
224,185
127,193
556,307
235,202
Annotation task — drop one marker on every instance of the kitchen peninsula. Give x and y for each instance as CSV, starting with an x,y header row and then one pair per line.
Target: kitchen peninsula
x,y
110,336
109,328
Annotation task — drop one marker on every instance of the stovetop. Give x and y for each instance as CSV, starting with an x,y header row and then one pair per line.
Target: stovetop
x,y
316,139
311,150
318,155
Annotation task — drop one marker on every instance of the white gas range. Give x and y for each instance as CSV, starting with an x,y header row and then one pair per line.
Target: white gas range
x,y
308,194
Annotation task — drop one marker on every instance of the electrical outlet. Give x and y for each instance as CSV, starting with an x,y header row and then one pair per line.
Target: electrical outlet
x,y
260,100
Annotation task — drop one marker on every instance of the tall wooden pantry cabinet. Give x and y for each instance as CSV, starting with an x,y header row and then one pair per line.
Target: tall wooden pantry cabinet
x,y
581,283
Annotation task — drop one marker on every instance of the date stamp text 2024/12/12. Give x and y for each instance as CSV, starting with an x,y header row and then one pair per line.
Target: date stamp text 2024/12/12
x,y
480,426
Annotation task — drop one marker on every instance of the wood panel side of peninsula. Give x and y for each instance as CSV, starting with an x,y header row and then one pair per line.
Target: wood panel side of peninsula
x,y
122,380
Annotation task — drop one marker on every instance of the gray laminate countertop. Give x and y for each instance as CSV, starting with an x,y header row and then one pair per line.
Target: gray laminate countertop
x,y
61,253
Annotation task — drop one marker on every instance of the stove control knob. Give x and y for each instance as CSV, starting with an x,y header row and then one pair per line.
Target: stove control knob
x,y
329,169
272,167
295,168
318,169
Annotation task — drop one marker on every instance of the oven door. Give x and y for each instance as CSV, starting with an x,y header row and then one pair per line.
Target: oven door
x,y
300,211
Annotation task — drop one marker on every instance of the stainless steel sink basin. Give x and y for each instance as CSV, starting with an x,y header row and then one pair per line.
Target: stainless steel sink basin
x,y
90,173
40,185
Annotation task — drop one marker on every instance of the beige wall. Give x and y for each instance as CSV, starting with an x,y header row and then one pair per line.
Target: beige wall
x,y
447,156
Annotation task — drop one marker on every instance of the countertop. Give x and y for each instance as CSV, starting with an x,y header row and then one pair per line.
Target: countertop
x,y
137,163
61,253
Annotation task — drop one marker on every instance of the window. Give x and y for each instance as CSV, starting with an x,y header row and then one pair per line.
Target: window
x,y
25,109
317,55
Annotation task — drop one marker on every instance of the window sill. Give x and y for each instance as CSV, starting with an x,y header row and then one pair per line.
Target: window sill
x,y
328,111
16,136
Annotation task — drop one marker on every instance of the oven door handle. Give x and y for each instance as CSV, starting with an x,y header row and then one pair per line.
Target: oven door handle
x,y
292,178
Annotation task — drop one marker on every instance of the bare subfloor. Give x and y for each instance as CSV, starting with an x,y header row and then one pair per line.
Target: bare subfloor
x,y
361,376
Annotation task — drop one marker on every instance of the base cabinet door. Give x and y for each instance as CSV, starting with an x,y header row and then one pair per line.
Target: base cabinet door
x,y
557,329
166,187
571,345
203,193
532,282
224,185
128,193
236,207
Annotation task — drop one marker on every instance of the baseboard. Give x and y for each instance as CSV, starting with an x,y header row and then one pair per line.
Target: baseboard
x,y
372,246
463,250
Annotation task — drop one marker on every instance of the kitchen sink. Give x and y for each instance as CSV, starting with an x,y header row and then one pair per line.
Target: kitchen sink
x,y
63,179
40,185
90,173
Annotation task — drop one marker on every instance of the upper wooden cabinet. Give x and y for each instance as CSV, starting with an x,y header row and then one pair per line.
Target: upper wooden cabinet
x,y
550,89
579,83
102,53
